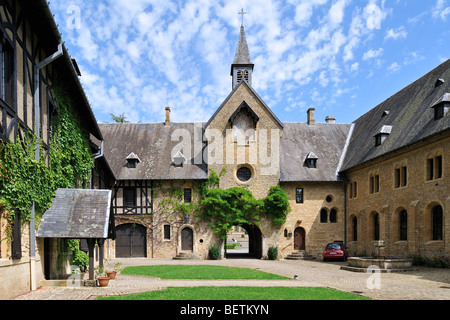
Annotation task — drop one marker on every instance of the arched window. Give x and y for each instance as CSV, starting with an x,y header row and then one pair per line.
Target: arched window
x,y
437,222
323,215
333,216
355,229
403,219
376,227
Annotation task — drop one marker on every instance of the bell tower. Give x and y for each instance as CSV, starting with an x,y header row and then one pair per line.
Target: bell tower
x,y
242,67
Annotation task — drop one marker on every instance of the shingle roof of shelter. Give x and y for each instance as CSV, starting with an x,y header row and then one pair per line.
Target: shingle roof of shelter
x,y
326,141
409,112
78,214
153,144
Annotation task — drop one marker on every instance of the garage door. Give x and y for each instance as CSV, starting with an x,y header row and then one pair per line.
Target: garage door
x,y
131,241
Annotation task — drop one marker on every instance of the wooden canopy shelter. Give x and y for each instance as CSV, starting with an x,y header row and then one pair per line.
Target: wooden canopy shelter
x,y
80,214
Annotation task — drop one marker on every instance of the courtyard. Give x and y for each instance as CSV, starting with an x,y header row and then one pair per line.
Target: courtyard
x,y
418,284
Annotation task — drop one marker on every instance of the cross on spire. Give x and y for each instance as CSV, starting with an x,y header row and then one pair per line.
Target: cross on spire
x,y
242,13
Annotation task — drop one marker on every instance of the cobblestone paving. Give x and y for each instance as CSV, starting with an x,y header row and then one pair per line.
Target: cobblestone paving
x,y
419,284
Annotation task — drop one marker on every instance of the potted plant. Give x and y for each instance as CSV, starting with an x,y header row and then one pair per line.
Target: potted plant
x,y
113,269
102,277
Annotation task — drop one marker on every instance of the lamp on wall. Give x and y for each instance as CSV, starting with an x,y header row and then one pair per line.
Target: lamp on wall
x,y
290,234
186,219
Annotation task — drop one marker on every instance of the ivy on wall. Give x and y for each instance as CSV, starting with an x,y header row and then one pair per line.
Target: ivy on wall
x,y
24,180
227,207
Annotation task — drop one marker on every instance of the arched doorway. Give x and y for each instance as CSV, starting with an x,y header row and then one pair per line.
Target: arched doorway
x,y
187,239
299,239
250,244
131,241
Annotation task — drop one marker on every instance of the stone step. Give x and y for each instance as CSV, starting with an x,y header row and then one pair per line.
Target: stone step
x,y
186,256
299,255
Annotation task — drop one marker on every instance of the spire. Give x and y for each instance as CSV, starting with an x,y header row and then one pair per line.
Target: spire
x,y
242,67
242,55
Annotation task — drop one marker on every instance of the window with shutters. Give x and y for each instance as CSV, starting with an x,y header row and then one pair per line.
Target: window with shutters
x,y
129,197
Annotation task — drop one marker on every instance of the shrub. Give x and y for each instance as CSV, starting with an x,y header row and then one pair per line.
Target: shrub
x,y
272,253
214,252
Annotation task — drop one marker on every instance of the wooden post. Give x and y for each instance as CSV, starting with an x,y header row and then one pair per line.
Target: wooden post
x,y
101,246
91,245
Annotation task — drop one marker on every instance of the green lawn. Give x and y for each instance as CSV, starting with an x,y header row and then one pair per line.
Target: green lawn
x,y
241,293
200,272
203,272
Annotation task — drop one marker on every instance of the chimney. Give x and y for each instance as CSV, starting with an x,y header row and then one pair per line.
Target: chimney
x,y
167,123
311,120
330,119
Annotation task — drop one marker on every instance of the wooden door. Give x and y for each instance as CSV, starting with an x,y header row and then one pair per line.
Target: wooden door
x,y
131,241
187,239
299,239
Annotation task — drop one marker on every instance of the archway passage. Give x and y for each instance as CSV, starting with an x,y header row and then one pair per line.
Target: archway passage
x,y
131,241
251,246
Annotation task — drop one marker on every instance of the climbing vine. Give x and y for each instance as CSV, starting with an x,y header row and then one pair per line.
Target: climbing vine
x,y
24,180
226,207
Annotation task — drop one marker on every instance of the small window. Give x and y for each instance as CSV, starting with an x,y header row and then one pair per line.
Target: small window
x,y
353,190
401,177
323,216
299,195
166,232
129,197
187,195
244,174
374,184
434,168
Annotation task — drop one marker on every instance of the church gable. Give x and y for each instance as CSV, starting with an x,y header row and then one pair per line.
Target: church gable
x,y
243,99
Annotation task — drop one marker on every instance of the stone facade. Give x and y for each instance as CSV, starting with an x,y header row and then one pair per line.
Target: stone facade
x,y
417,197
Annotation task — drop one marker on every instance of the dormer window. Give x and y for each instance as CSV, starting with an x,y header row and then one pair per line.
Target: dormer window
x,y
179,159
311,160
132,160
384,132
441,106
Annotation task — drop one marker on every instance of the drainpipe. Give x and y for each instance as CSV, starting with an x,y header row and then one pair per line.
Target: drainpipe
x,y
37,129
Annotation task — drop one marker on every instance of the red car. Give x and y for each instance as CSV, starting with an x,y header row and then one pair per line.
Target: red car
x,y
334,251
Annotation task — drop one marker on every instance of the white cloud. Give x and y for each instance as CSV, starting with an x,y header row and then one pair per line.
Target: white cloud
x,y
440,10
374,15
394,67
400,32
371,54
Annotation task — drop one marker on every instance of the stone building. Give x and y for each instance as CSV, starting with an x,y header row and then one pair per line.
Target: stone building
x,y
33,59
383,177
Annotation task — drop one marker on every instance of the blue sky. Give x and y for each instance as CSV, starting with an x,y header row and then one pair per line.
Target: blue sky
x,y
342,57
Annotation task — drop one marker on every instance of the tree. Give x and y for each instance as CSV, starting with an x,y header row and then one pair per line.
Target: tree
x,y
119,119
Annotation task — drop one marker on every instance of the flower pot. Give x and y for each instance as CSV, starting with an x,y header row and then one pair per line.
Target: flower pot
x,y
111,274
103,281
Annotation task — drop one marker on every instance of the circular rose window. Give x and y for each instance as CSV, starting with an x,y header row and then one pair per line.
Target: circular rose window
x,y
244,174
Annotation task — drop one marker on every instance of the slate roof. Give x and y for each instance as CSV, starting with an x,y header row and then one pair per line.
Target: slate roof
x,y
242,55
78,214
325,141
410,115
152,143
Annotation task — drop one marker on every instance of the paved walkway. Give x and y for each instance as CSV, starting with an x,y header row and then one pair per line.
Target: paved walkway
x,y
420,284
